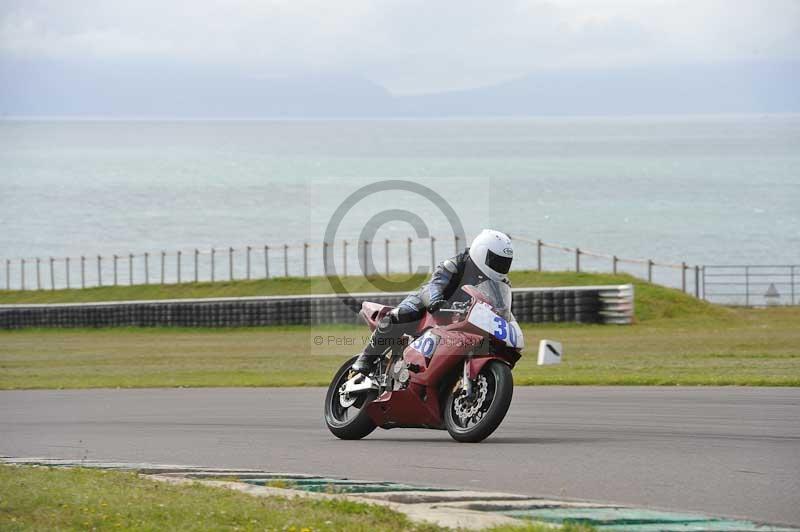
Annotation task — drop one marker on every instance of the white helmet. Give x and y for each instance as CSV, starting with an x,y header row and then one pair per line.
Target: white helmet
x,y
492,252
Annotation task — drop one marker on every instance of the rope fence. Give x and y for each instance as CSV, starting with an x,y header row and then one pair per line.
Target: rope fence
x,y
650,264
305,259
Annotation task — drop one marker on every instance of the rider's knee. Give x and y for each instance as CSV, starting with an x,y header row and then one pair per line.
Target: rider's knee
x,y
387,321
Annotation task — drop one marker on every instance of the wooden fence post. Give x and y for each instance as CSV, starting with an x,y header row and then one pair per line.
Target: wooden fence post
x,y
683,276
433,253
130,269
409,256
248,262
22,274
386,255
83,271
649,270
703,282
305,259
615,260
196,265
230,264
66,266
746,286
286,260
539,255
52,274
38,273
366,264
344,258
163,261
578,260
115,270
266,262
99,270
213,253
178,266
146,267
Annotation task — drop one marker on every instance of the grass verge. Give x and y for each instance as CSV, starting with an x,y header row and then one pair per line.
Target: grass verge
x,y
756,347
676,340
44,498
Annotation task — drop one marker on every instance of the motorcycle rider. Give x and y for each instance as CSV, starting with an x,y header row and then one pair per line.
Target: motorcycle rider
x,y
488,257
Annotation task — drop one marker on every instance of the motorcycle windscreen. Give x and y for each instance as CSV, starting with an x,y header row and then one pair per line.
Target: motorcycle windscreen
x,y
483,317
498,295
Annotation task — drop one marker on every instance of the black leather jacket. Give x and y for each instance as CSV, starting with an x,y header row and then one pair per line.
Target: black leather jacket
x,y
450,275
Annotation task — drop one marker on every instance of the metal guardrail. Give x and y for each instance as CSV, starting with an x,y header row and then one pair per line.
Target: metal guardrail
x,y
751,285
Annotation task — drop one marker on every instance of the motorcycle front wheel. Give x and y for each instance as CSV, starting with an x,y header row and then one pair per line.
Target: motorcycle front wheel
x,y
473,419
347,422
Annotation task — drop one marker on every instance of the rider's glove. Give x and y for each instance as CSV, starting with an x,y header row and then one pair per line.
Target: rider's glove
x,y
435,305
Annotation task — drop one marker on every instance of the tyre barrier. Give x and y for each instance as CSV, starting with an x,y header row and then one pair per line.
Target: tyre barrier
x,y
586,304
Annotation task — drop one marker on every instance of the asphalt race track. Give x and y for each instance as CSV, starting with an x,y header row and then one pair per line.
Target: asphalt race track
x,y
727,451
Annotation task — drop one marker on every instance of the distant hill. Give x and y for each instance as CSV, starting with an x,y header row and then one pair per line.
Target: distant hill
x,y
739,88
39,88
165,90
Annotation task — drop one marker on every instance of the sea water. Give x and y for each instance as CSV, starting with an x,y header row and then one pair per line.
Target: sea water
x,y
700,189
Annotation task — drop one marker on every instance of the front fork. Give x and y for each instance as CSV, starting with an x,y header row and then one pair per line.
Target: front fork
x,y
466,383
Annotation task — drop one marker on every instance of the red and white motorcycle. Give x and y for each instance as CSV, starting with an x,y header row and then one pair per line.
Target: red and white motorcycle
x,y
455,373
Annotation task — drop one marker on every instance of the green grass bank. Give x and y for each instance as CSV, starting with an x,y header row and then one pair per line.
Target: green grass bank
x,y
652,301
676,340
45,498
755,347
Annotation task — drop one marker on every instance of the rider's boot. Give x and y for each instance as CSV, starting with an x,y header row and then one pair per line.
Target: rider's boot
x,y
365,362
383,337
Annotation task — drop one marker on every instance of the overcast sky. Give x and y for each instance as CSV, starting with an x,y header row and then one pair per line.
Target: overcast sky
x,y
407,46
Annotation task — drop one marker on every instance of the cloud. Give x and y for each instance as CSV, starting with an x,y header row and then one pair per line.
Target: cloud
x,y
407,46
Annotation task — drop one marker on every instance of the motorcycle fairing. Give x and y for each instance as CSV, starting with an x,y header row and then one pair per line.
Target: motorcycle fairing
x,y
483,317
426,344
373,312
412,407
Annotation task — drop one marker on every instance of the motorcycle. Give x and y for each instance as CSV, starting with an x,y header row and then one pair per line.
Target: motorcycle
x,y
454,372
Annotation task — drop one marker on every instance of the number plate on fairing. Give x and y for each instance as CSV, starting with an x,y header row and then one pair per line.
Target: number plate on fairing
x,y
426,344
483,317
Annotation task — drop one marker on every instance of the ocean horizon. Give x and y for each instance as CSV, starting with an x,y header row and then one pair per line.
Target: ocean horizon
x,y
705,189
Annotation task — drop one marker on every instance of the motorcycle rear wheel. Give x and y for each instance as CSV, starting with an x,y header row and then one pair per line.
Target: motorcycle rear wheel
x,y
499,388
347,423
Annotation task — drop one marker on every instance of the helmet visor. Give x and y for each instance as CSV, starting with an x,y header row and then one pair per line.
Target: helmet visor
x,y
497,262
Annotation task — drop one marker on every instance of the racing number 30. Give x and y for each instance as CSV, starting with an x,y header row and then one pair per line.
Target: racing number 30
x,y
503,331
502,328
425,344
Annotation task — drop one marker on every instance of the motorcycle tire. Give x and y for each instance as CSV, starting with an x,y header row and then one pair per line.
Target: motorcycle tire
x,y
501,387
352,427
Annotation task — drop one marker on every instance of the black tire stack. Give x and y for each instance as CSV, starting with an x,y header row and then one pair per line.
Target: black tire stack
x,y
582,305
557,306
